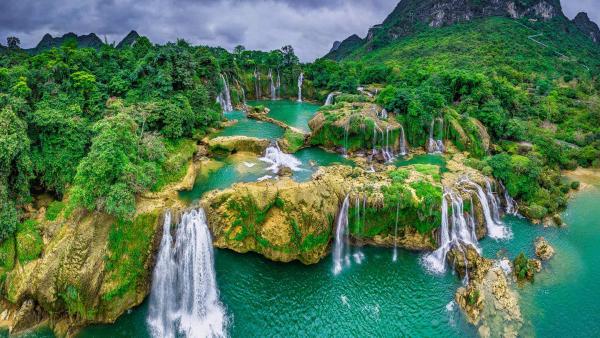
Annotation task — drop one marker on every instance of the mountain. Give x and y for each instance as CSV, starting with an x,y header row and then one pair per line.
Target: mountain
x,y
341,49
83,41
412,16
128,40
587,26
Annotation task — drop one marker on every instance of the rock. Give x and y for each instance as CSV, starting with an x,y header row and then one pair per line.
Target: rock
x,y
238,144
525,147
4,315
28,316
285,172
536,264
543,249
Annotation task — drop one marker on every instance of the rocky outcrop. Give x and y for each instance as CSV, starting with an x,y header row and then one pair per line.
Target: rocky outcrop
x,y
488,301
284,220
342,49
263,116
128,40
543,249
587,26
83,41
231,144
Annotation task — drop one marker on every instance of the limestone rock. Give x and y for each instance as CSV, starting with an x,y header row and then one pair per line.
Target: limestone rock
x,y
237,144
28,316
543,249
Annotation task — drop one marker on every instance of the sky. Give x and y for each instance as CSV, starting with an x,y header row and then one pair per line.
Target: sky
x,y
311,26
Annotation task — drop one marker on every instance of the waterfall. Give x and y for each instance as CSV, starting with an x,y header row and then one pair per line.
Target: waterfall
x,y
388,153
403,146
225,96
383,114
184,300
273,88
257,92
494,201
511,206
455,231
496,230
300,82
278,159
243,91
329,100
278,93
434,146
346,136
341,253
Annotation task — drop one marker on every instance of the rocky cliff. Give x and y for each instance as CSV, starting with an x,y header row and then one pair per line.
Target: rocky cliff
x,y
128,40
412,15
587,27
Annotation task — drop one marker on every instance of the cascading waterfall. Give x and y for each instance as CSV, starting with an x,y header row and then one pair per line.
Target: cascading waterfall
x,y
278,91
300,82
511,206
494,201
403,143
434,146
184,300
225,96
257,92
273,88
496,230
341,253
383,114
243,91
278,159
455,231
388,153
346,137
329,100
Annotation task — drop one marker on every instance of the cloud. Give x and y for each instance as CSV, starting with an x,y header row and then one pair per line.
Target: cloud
x,y
310,26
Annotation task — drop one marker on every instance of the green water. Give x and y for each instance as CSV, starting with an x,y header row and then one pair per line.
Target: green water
x,y
423,159
249,127
292,113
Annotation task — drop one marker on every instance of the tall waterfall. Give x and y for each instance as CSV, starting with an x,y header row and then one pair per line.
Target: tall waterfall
x,y
184,300
341,252
388,152
278,159
495,228
300,82
403,143
273,88
434,146
454,231
329,100
257,92
278,94
225,96
494,201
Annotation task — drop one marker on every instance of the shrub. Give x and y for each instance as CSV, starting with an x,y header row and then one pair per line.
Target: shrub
x,y
54,209
575,185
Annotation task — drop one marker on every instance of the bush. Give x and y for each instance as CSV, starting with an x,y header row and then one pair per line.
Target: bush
x,y
54,209
29,242
537,211
575,185
522,269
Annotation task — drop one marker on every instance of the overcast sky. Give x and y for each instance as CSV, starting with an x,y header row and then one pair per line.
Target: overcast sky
x,y
310,26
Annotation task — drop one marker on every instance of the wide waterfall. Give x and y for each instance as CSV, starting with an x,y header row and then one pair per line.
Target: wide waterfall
x,y
300,82
184,300
278,159
329,100
225,96
434,146
455,231
257,92
495,228
273,88
403,143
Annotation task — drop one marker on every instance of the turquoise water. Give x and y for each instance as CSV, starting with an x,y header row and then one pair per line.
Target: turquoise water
x,y
249,127
383,298
422,159
292,113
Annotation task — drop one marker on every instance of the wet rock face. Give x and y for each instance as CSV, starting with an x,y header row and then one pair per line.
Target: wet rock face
x,y
543,249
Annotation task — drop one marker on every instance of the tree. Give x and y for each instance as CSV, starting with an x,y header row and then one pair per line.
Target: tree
x,y
13,42
239,49
15,169
289,58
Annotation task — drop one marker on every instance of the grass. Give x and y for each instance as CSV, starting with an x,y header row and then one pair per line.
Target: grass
x,y
29,241
294,140
174,168
54,209
128,249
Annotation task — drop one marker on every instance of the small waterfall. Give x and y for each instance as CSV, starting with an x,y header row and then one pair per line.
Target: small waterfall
x,y
329,100
511,206
278,91
300,82
341,252
273,88
243,92
496,230
455,231
494,201
434,146
278,159
383,114
346,137
388,153
403,143
184,300
225,96
257,92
